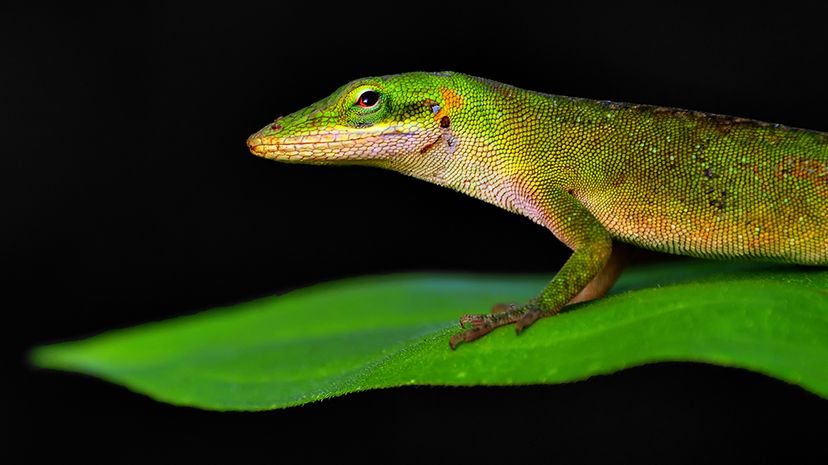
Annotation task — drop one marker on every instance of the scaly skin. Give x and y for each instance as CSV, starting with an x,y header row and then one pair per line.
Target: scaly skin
x,y
676,181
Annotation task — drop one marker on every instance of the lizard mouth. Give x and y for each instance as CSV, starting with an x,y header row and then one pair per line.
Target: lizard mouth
x,y
328,146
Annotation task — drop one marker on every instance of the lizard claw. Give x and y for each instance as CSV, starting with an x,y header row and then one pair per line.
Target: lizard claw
x,y
469,335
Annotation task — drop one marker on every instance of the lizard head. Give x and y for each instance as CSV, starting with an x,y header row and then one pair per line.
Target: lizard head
x,y
377,121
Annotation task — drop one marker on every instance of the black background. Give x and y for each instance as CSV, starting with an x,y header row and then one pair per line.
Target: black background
x,y
129,196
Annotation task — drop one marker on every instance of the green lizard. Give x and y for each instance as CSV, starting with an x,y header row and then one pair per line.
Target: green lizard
x,y
671,180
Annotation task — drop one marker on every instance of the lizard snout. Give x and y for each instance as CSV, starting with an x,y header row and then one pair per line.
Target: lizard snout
x,y
258,143
255,145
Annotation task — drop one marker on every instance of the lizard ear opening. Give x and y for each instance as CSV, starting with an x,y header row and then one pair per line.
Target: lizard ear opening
x,y
433,106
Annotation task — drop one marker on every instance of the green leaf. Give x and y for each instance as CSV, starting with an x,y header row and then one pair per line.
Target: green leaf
x,y
378,332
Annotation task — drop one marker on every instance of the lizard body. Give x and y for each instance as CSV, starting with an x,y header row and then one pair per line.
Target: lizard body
x,y
677,181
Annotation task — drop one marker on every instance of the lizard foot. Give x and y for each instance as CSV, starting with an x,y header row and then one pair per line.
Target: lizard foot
x,y
482,319
482,324
498,308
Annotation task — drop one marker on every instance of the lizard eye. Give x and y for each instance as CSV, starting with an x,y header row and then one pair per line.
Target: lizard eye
x,y
368,99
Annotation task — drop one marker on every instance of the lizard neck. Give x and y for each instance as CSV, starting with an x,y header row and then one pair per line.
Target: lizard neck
x,y
488,149
471,165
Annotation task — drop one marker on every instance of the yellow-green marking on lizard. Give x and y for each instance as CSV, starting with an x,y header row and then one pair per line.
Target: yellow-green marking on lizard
x,y
677,181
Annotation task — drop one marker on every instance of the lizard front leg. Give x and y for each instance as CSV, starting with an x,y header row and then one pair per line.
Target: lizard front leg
x,y
573,224
603,281
600,284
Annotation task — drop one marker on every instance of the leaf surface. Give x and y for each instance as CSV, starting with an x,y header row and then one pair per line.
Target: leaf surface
x,y
378,332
